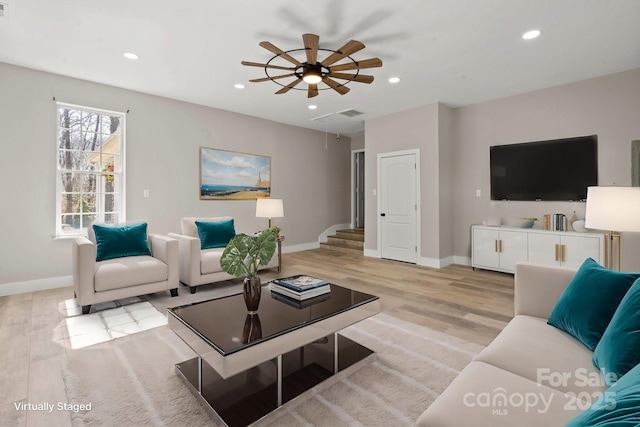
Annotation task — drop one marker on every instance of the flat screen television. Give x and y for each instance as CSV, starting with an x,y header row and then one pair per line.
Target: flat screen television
x,y
554,170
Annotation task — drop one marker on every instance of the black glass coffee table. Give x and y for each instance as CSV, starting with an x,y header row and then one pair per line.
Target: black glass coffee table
x,y
250,365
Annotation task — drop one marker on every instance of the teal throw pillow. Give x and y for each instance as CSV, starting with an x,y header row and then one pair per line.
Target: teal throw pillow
x,y
619,349
121,241
215,234
587,305
618,406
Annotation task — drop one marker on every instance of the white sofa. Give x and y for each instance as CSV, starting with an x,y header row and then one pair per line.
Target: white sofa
x,y
202,266
532,374
112,279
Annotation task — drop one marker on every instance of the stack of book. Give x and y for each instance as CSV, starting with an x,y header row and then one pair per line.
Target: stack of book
x,y
555,222
300,287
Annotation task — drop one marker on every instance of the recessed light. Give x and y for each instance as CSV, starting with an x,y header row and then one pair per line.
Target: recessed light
x,y
394,79
312,107
531,34
239,86
131,55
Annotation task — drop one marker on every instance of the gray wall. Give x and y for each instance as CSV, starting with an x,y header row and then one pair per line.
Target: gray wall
x,y
163,137
163,140
455,143
428,128
357,141
607,106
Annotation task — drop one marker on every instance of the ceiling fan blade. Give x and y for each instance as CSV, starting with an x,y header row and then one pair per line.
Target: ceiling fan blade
x,y
348,49
360,78
367,63
257,64
273,49
289,86
335,85
312,91
265,79
311,45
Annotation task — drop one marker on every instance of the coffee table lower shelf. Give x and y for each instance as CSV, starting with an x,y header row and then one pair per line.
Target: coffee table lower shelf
x,y
254,394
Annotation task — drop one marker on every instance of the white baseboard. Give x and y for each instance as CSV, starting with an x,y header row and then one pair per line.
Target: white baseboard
x,y
436,263
427,262
35,285
373,253
462,260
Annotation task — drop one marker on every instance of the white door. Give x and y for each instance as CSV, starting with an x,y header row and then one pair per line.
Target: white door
x,y
398,207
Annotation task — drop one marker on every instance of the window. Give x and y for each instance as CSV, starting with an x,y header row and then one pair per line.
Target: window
x,y
90,181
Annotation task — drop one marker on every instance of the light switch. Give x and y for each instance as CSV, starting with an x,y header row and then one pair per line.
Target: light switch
x,y
478,193
146,194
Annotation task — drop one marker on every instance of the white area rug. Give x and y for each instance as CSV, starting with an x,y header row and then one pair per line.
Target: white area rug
x,y
131,381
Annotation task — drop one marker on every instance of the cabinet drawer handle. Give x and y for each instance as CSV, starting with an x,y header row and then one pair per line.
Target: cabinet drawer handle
x,y
501,246
562,247
556,252
496,245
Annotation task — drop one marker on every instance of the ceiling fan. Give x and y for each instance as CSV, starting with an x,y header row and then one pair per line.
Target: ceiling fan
x,y
312,71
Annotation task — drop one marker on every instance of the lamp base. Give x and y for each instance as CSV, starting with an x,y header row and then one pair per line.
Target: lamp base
x,y
611,260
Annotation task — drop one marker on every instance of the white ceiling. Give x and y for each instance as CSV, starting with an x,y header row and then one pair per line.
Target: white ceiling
x,y
457,52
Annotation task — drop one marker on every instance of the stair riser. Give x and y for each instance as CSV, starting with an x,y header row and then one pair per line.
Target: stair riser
x,y
350,236
341,249
340,241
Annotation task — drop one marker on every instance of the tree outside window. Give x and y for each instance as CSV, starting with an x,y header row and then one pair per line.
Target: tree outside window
x,y
90,178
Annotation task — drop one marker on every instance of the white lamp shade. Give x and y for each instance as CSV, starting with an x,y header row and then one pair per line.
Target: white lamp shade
x,y
269,208
613,209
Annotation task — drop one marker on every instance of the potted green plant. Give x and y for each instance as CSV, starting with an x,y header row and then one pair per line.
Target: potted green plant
x,y
243,256
275,230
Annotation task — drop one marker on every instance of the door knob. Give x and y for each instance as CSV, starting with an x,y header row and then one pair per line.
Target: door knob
x,y
383,214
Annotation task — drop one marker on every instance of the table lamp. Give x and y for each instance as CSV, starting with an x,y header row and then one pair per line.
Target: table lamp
x,y
269,208
613,208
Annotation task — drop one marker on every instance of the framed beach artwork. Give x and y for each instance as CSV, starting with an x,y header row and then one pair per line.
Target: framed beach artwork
x,y
228,175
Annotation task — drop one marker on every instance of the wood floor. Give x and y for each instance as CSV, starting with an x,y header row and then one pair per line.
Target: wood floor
x,y
473,305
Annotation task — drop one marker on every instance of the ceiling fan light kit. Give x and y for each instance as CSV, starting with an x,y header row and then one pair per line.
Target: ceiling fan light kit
x,y
314,72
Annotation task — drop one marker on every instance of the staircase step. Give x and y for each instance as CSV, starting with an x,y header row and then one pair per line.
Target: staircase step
x,y
351,234
338,240
347,240
341,248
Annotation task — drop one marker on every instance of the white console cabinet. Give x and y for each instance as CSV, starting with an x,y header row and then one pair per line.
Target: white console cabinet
x,y
497,248
500,248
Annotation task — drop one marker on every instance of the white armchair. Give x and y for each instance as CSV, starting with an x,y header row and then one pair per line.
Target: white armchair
x,y
123,277
202,266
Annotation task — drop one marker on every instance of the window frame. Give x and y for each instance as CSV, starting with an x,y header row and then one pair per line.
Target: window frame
x,y
119,192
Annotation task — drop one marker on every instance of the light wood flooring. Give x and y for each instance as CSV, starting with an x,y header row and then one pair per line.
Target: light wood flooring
x,y
473,305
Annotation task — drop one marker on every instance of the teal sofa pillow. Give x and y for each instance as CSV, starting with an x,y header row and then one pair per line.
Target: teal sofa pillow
x,y
618,406
121,241
619,349
587,305
215,234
